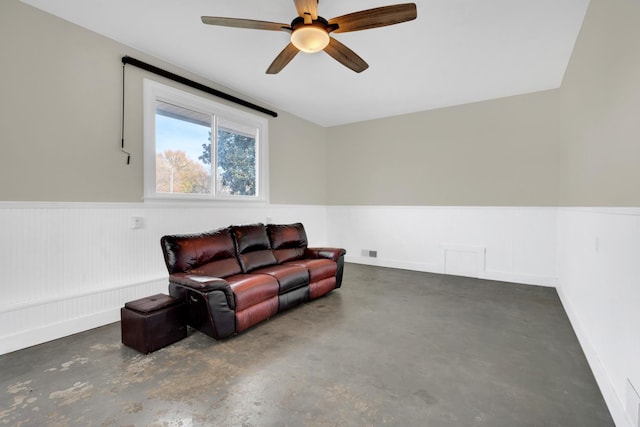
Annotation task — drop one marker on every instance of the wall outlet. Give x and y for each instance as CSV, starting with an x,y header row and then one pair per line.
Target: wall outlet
x,y
136,222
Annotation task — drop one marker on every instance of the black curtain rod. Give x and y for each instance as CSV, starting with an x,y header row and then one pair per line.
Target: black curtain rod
x,y
195,85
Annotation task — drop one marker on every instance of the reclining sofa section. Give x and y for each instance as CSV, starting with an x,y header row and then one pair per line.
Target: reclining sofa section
x,y
235,277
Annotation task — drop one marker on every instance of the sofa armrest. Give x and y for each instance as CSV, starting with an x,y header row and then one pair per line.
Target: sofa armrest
x,y
204,284
333,254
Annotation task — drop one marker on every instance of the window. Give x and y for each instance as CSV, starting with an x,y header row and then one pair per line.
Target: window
x,y
196,148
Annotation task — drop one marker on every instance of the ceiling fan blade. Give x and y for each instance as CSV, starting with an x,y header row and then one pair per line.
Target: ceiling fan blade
x,y
345,56
245,23
373,18
283,58
307,6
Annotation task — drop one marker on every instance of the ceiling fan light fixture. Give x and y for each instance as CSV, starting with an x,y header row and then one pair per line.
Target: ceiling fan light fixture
x,y
310,38
311,33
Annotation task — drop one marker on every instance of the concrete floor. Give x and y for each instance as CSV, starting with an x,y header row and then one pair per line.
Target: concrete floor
x,y
391,347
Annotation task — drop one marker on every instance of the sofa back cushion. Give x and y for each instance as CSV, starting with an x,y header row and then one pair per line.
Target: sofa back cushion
x,y
252,246
288,242
209,254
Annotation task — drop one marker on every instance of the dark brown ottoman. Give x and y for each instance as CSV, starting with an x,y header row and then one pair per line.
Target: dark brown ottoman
x,y
150,323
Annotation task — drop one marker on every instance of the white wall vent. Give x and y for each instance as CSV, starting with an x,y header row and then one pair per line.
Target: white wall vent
x,y
464,260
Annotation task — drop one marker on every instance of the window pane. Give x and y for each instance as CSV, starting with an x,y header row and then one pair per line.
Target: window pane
x,y
200,150
236,159
183,144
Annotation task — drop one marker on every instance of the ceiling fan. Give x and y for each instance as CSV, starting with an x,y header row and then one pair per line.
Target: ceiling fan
x,y
310,32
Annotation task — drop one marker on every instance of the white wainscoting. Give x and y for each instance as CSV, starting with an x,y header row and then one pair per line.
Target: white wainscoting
x,y
69,267
515,244
599,258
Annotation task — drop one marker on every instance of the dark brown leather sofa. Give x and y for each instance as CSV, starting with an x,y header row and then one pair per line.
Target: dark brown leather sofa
x,y
235,277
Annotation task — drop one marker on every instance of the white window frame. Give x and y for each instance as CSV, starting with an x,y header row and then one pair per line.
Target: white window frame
x,y
153,91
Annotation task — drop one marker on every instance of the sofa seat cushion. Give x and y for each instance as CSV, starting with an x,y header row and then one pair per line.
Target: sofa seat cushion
x,y
251,289
318,268
288,276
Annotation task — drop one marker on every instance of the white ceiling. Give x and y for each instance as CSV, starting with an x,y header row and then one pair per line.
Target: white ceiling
x,y
455,52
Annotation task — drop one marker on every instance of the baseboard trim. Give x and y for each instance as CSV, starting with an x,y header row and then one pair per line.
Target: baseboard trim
x,y
32,323
402,265
500,276
31,337
615,405
525,279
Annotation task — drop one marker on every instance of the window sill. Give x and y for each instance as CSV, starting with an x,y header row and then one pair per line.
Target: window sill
x,y
178,201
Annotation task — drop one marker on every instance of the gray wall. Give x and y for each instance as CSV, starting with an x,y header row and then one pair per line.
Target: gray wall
x,y
60,108
575,146
501,152
600,98
60,129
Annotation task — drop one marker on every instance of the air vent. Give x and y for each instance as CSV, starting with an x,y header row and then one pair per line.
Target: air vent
x,y
369,253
